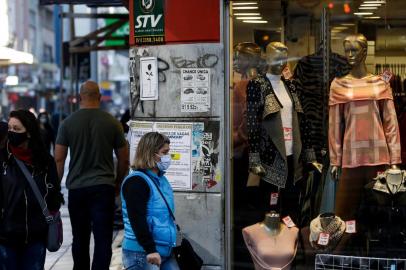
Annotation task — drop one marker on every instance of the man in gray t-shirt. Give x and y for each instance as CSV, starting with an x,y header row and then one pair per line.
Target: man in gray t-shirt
x,y
91,135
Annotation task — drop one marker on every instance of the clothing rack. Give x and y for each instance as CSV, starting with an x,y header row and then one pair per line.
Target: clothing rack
x,y
397,83
394,68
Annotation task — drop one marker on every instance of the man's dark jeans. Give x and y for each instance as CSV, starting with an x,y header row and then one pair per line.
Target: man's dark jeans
x,y
92,209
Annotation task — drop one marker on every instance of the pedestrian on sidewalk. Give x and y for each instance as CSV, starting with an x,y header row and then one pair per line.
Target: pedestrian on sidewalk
x,y
91,135
149,229
23,228
47,132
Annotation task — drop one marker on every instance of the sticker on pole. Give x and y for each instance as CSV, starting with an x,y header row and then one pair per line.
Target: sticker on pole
x,y
274,198
324,238
288,222
350,226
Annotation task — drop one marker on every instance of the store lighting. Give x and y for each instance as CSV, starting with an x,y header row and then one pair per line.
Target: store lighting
x,y
244,3
340,27
249,18
247,14
363,13
370,5
368,8
254,21
372,17
245,7
348,24
375,2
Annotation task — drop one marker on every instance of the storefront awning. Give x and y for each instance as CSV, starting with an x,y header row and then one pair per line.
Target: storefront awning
x,y
94,3
10,56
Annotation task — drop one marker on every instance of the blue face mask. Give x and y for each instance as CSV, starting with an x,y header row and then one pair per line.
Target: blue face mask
x,y
165,162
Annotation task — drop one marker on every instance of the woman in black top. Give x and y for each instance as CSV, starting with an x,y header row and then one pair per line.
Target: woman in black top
x,y
23,229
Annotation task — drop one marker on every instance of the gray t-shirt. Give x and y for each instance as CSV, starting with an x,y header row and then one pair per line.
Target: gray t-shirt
x,y
91,135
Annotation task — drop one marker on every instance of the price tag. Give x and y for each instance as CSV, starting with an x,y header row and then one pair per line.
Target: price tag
x,y
350,226
288,222
386,76
274,198
323,239
287,74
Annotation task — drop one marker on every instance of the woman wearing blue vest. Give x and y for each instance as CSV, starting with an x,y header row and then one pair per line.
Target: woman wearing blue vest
x,y
149,230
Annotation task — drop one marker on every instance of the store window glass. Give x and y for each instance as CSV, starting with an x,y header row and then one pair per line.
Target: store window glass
x,y
318,133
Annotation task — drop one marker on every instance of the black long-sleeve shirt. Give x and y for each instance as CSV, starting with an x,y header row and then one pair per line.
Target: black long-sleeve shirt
x,y
136,194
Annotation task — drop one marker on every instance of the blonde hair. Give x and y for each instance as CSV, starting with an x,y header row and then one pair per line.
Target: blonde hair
x,y
277,46
147,147
359,38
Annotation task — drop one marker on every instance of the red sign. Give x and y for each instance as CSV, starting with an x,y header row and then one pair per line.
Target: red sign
x,y
189,21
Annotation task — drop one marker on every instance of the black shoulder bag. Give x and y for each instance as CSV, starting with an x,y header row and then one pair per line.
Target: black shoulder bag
x,y
185,255
55,231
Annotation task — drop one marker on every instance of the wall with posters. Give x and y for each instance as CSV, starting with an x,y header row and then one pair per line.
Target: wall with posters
x,y
187,105
190,76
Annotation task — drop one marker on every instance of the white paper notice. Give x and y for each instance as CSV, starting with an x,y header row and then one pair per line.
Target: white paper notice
x,y
149,78
179,173
195,92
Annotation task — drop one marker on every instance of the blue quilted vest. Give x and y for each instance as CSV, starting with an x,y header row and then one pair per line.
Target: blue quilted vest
x,y
160,222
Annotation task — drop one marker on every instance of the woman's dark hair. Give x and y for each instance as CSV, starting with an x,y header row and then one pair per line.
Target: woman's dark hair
x,y
35,143
3,133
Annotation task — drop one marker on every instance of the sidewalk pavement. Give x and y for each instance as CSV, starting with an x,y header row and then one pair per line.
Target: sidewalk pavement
x,y
62,259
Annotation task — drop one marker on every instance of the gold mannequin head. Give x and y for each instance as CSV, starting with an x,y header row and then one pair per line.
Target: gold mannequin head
x,y
355,47
246,58
276,57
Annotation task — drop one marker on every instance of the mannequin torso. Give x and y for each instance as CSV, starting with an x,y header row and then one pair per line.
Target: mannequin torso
x,y
271,244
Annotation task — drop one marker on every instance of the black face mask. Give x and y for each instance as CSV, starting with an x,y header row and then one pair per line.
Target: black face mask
x,y
16,139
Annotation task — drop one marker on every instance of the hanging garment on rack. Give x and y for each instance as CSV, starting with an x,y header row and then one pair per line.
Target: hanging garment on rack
x,y
402,130
314,99
382,219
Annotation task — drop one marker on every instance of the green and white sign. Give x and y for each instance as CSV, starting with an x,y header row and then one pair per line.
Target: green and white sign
x,y
149,22
123,31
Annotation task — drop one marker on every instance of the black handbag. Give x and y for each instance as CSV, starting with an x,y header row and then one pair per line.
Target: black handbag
x,y
54,221
185,255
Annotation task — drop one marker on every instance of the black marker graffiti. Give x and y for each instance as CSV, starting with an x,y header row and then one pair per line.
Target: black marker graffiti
x,y
205,61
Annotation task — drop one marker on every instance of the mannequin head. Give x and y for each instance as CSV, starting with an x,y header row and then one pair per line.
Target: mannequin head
x,y
276,57
246,57
356,47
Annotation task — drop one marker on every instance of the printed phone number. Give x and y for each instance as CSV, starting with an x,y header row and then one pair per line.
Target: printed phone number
x,y
144,40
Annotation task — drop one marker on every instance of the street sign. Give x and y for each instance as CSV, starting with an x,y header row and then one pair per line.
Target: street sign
x,y
123,31
147,21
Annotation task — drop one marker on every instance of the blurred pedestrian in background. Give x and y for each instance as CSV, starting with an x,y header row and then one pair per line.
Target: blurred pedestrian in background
x,y
47,132
149,229
91,135
23,228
